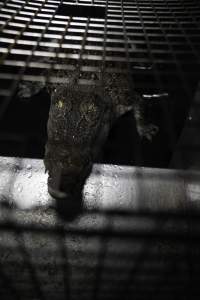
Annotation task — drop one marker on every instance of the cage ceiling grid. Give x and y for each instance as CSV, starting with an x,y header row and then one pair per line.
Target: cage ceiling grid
x,y
155,42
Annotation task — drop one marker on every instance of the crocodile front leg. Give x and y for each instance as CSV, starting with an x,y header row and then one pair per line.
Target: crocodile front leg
x,y
123,99
144,129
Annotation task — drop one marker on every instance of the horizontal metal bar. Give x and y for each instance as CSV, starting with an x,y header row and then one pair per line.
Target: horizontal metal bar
x,y
109,187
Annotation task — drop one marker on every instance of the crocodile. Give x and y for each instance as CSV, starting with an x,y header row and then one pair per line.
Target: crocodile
x,y
80,119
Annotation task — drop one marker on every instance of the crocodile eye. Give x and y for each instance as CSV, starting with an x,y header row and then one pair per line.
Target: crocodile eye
x,y
60,104
90,111
60,101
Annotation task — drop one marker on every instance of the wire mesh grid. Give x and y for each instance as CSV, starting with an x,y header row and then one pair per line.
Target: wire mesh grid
x,y
103,256
157,42
159,36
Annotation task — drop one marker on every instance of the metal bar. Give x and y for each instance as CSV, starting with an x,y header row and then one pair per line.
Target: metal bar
x,y
36,286
65,266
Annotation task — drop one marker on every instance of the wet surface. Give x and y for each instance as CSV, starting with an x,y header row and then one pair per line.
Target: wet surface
x,y
24,185
137,225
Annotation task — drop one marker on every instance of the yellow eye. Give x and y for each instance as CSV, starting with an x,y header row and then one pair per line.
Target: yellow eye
x,y
60,104
91,108
90,111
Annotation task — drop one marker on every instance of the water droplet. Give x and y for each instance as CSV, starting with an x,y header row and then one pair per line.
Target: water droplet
x,y
19,188
29,175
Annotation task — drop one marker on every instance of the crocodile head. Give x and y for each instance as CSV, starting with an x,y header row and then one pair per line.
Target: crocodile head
x,y
79,122
77,126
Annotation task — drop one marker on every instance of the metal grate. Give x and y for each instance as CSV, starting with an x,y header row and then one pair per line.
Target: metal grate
x,y
160,37
104,256
156,42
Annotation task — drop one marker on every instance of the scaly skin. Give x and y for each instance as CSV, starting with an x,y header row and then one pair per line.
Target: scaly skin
x,y
79,122
80,119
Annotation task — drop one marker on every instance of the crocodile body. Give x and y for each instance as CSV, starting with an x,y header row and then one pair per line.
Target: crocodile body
x,y
80,119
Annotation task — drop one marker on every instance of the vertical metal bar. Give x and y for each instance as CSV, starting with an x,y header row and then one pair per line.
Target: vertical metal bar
x,y
128,64
167,118
83,43
27,262
101,262
104,38
65,265
151,56
130,79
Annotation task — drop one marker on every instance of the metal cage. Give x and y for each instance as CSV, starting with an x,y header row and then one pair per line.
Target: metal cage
x,y
124,250
155,42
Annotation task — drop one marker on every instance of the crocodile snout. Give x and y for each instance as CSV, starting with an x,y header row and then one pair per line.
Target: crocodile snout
x,y
65,181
